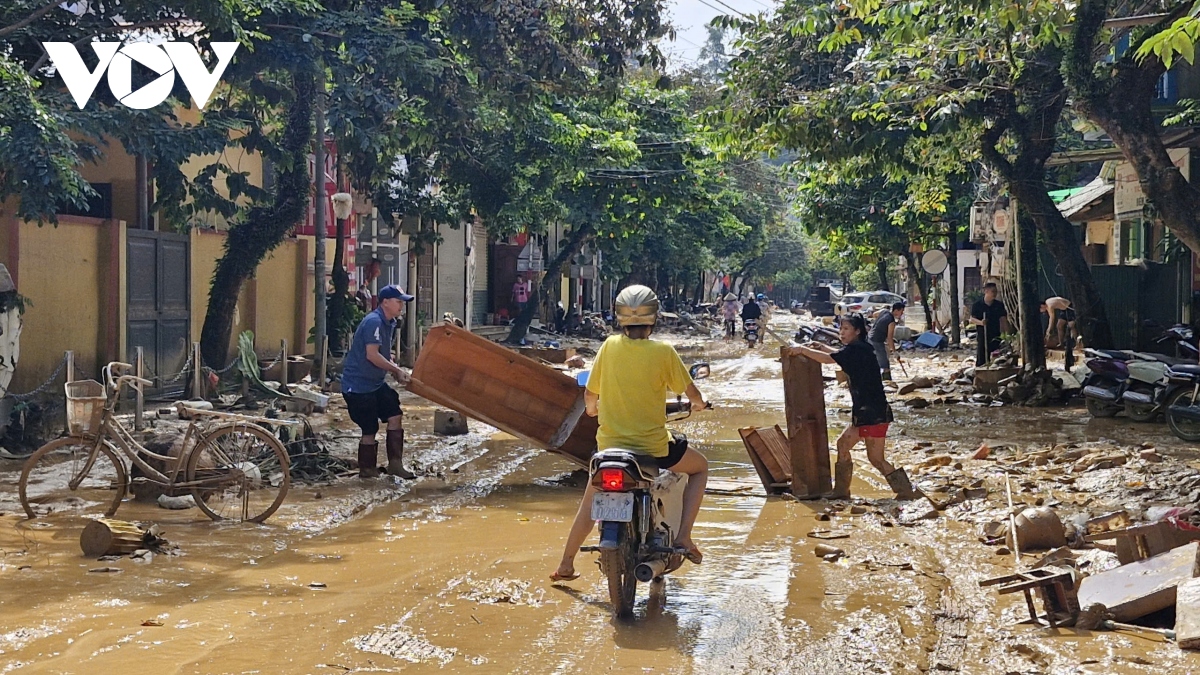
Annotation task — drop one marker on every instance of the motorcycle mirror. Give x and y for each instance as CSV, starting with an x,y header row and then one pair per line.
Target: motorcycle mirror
x,y
700,371
582,377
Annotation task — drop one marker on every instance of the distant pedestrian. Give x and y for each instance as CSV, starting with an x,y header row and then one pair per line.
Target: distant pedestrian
x,y
870,413
730,310
520,293
882,337
369,399
991,317
364,299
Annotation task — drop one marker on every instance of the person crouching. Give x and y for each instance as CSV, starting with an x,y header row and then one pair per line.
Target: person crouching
x,y
369,399
870,412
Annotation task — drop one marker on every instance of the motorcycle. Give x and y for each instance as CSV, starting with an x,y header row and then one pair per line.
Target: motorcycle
x,y
750,331
1143,402
638,508
1110,374
1182,402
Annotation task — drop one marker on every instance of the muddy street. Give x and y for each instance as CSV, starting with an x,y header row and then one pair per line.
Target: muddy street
x,y
449,573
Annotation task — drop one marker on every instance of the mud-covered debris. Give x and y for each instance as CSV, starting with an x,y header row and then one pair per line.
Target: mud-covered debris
x,y
497,590
176,503
104,570
1187,614
1038,528
1140,588
982,453
936,460
317,585
828,553
399,642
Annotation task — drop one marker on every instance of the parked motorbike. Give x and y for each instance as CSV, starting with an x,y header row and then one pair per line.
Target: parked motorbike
x,y
1143,402
750,331
1182,402
1111,371
638,508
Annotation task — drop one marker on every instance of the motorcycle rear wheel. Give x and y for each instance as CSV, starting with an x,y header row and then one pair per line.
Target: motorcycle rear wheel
x,y
1097,408
618,565
1185,429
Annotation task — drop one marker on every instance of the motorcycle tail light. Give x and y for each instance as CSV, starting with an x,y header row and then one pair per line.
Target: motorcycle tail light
x,y
612,479
854,308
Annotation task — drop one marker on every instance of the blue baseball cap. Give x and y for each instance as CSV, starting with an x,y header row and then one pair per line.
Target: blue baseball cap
x,y
394,291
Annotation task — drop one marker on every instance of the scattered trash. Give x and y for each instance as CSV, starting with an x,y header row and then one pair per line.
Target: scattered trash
x,y
152,622
828,553
1140,588
316,584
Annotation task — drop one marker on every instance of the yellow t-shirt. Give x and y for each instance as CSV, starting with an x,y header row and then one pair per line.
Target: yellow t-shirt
x,y
632,377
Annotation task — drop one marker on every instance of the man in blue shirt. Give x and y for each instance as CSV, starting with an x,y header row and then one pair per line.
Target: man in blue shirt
x,y
369,399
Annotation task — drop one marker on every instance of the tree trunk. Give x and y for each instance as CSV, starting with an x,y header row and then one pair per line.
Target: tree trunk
x,y
918,276
955,303
881,268
1121,103
1033,126
570,247
264,227
1033,350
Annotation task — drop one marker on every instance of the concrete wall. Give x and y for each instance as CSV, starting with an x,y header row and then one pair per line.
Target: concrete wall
x,y
72,275
451,272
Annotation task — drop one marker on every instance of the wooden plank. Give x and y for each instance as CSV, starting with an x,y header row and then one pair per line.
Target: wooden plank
x,y
1140,588
766,462
808,436
1187,615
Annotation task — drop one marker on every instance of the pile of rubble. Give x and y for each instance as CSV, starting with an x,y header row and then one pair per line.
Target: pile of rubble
x,y
1120,523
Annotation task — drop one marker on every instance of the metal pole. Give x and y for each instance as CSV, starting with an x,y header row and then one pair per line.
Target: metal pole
x,y
324,360
138,422
70,366
197,381
283,361
319,224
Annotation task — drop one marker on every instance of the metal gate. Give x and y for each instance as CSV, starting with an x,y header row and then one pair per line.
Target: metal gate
x,y
159,308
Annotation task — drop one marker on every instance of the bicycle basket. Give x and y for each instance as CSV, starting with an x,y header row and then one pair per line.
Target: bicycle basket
x,y
85,406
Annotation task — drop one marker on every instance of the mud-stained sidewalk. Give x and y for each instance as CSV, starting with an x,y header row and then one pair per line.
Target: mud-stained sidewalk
x,y
448,573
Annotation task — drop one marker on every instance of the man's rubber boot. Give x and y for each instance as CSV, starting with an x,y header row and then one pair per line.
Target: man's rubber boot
x,y
368,460
898,481
395,453
843,472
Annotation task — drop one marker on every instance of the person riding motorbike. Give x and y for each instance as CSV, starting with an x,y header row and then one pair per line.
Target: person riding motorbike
x,y
751,310
627,389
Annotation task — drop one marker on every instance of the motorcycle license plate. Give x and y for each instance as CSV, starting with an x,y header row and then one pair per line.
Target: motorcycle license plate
x,y
614,506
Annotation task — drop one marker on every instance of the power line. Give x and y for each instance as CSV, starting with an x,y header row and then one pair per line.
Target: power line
x,y
711,6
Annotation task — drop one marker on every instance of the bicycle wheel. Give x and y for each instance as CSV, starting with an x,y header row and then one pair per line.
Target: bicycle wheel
x,y
243,470
63,476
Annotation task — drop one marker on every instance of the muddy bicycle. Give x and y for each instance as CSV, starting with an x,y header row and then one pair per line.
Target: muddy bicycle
x,y
231,464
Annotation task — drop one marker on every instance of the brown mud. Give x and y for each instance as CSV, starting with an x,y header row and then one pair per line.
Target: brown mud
x,y
448,573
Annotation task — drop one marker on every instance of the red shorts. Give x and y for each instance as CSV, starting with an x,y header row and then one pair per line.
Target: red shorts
x,y
873,430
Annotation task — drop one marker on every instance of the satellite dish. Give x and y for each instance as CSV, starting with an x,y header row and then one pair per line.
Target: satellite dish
x,y
934,262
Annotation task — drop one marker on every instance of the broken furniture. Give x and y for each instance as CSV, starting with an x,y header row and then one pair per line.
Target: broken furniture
x,y
808,436
988,379
1054,585
771,456
1139,542
480,379
1187,615
1142,587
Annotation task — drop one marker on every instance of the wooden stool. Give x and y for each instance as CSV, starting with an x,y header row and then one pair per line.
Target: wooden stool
x,y
1054,585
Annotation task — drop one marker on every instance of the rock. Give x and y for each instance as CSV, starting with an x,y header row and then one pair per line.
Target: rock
x,y
936,460
1003,550
857,510
1150,455
1038,528
176,503
449,423
576,362
917,402
827,550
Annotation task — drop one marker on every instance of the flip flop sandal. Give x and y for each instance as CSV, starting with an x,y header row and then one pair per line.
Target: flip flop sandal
x,y
556,577
694,556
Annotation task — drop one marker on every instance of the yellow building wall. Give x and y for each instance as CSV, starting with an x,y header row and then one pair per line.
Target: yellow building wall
x,y
63,272
280,301
117,167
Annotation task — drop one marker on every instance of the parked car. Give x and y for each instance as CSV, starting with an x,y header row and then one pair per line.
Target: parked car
x,y
866,303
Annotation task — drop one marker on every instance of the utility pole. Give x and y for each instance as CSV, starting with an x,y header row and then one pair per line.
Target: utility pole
x,y
319,225
955,307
